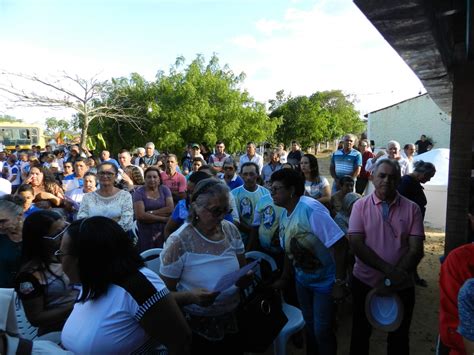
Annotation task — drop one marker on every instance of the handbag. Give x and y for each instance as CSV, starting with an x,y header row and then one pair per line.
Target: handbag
x,y
260,316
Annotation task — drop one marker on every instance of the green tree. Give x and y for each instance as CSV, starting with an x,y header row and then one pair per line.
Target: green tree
x,y
86,97
310,120
201,102
55,126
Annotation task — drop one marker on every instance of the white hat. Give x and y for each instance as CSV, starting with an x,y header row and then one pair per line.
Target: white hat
x,y
384,312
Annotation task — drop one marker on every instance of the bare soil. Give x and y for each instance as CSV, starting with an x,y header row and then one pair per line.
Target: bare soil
x,y
424,326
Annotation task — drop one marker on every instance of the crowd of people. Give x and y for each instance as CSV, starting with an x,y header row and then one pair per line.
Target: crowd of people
x,y
73,225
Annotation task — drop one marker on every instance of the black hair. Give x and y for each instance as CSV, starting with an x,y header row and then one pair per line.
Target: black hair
x,y
289,178
313,166
198,176
107,163
35,247
105,254
393,163
424,167
25,188
250,163
79,158
346,178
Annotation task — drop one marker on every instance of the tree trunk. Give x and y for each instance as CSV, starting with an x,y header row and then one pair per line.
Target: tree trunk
x,y
460,157
85,128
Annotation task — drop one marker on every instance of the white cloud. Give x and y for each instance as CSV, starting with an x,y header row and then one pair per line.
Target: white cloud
x,y
330,46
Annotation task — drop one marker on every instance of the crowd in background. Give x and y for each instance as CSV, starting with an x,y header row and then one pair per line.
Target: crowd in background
x,y
83,213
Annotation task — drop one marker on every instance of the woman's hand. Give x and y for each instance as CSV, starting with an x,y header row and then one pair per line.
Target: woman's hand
x,y
246,280
46,195
203,297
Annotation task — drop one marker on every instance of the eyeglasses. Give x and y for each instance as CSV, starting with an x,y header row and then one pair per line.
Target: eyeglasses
x,y
217,212
59,254
106,173
60,233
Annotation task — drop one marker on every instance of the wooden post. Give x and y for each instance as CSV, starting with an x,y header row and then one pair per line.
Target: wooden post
x,y
460,157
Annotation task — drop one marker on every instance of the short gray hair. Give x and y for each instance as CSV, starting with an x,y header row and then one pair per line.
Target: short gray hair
x,y
150,144
12,204
203,192
392,162
141,150
395,143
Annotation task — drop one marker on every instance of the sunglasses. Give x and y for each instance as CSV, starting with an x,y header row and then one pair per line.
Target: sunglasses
x,y
60,233
105,173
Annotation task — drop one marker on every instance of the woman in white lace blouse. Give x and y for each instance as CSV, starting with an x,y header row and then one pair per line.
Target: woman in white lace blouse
x,y
108,201
194,258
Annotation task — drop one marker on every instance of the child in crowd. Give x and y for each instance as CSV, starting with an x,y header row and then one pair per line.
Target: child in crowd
x,y
347,185
28,195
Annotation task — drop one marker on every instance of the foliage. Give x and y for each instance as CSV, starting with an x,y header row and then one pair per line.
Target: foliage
x,y
86,97
8,118
55,126
320,117
200,103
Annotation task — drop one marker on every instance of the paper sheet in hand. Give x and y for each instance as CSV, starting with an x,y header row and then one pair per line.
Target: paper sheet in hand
x,y
229,280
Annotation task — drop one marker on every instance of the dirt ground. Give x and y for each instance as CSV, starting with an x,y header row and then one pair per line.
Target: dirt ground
x,y
424,326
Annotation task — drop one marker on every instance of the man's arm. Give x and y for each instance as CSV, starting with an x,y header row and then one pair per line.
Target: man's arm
x,y
367,255
356,172
332,170
412,258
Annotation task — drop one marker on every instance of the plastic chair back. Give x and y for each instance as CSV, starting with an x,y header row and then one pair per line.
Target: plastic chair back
x,y
152,259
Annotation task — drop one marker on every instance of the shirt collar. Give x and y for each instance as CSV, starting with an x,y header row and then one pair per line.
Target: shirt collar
x,y
378,201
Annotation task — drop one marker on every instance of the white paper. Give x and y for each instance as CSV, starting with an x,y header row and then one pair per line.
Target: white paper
x,y
229,280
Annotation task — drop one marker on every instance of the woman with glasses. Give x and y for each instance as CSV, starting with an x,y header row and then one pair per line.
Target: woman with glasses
x,y
11,223
194,258
315,250
41,283
123,307
153,204
107,200
316,186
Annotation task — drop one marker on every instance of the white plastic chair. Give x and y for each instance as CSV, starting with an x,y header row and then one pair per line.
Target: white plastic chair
x,y
152,259
25,329
295,317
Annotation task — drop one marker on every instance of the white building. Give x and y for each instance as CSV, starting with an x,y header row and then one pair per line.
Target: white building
x,y
406,121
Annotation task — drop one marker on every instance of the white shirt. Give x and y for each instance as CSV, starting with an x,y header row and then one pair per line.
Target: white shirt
x,y
5,187
110,324
257,159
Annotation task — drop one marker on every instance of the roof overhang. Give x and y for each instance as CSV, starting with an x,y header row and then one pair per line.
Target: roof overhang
x,y
428,35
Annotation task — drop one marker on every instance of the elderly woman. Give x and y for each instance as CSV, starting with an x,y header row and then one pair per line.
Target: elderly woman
x,y
41,283
195,257
108,201
47,192
123,307
315,249
410,187
153,204
11,222
316,186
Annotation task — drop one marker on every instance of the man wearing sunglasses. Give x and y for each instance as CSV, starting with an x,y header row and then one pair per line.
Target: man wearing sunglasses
x,y
229,174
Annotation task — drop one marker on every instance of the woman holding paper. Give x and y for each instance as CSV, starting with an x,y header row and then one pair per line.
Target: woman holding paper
x,y
195,258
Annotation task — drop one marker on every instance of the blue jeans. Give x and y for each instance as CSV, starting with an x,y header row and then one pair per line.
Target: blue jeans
x,y
318,312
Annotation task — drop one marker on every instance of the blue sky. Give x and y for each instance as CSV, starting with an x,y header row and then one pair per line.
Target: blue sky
x,y
300,46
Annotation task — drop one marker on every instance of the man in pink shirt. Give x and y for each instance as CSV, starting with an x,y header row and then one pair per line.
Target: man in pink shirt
x,y
386,234
174,180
